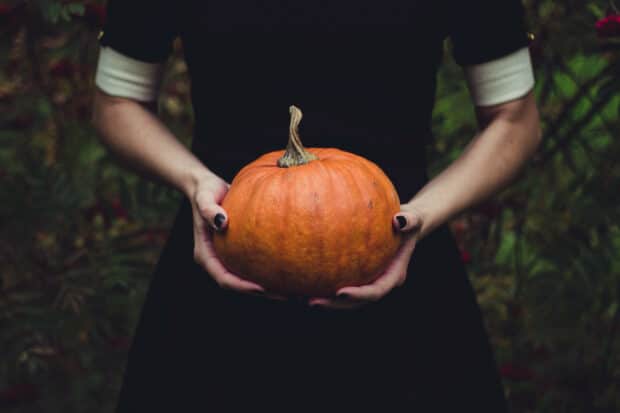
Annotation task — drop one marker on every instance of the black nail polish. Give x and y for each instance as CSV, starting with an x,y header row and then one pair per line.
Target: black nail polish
x,y
219,220
402,221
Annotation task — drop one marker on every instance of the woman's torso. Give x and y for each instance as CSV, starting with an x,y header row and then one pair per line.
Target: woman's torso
x,y
363,74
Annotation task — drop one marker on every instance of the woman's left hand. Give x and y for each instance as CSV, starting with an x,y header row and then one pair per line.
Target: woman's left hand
x,y
405,221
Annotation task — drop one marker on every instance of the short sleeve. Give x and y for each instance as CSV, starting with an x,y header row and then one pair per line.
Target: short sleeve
x,y
490,42
140,29
485,30
137,37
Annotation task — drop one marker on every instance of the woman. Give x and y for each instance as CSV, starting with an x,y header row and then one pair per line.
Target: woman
x,y
364,76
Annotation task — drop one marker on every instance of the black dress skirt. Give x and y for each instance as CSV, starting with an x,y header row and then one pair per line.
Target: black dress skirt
x,y
363,73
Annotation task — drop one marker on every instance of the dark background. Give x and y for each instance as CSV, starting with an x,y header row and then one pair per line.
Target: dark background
x,y
80,235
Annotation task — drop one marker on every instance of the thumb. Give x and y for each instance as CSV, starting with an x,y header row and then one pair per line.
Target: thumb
x,y
213,213
407,221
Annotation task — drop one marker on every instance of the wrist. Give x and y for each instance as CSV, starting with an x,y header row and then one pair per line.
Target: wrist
x,y
425,216
193,177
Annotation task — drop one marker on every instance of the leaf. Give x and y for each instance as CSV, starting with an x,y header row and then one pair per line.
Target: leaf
x,y
595,10
76,8
65,14
505,253
51,10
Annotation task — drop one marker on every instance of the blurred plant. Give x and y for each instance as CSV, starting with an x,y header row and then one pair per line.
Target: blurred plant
x,y
79,235
547,249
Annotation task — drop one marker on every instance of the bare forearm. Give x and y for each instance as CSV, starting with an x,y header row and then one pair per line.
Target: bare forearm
x,y
144,143
488,164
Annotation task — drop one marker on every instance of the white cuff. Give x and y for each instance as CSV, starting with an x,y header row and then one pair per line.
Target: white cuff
x,y
120,75
500,80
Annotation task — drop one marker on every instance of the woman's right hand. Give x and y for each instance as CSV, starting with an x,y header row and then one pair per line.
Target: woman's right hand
x,y
209,216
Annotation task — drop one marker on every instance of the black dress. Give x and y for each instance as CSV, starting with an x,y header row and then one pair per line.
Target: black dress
x,y
363,73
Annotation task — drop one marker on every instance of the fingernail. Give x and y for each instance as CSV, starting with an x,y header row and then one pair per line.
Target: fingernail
x,y
219,220
402,221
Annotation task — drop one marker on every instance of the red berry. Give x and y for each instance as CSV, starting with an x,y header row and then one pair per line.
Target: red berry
x,y
608,26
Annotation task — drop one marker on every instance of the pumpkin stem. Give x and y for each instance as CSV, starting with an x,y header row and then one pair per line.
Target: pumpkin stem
x,y
295,154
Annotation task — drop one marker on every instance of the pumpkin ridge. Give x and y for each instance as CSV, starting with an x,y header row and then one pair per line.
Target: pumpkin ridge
x,y
314,225
372,216
329,230
322,224
347,176
354,178
382,207
252,215
372,169
284,226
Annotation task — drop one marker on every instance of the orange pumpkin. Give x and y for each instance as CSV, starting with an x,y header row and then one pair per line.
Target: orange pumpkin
x,y
308,222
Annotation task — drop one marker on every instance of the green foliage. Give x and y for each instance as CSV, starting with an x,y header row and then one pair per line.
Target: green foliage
x,y
545,261
80,234
53,11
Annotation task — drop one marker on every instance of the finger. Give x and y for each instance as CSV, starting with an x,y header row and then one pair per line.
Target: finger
x,y
407,221
212,212
205,255
200,238
388,280
370,292
230,281
222,275
393,276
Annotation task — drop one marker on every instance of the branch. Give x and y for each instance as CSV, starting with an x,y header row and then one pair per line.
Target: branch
x,y
610,341
566,140
568,107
